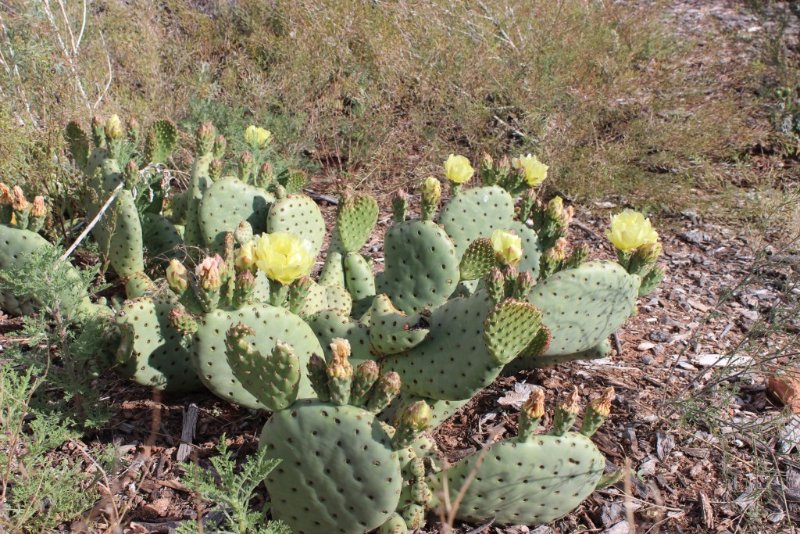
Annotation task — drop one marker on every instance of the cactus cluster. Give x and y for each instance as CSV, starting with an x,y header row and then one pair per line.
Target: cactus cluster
x,y
355,364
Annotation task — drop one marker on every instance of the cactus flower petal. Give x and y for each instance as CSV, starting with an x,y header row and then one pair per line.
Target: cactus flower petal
x,y
284,256
629,230
534,170
458,169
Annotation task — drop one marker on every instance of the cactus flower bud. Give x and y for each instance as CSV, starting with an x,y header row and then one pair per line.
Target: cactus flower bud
x,y
650,251
215,169
566,413
5,195
399,205
531,414
383,392
365,376
245,285
133,130
411,420
507,246
597,412
522,285
257,138
113,128
98,133
457,169
182,321
340,372
38,209
131,175
630,230
19,202
204,138
218,150
177,276
209,272
38,214
431,195
533,170
246,163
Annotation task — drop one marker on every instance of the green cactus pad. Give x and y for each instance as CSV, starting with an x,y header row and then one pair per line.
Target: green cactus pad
x,y
271,324
394,525
475,213
160,141
161,239
530,248
478,259
150,351
354,222
391,331
525,483
338,299
338,471
226,204
328,325
17,247
583,306
299,215
453,362
272,378
359,281
333,270
421,266
441,410
509,328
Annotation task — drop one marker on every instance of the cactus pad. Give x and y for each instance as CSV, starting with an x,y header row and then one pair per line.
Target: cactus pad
x,y
328,325
526,483
338,471
509,328
160,141
78,143
161,239
226,204
476,213
421,266
299,215
16,248
359,281
150,351
583,306
356,219
478,259
391,331
530,248
453,362
271,324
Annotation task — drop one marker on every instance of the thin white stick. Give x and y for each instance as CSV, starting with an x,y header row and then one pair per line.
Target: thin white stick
x,y
83,27
93,222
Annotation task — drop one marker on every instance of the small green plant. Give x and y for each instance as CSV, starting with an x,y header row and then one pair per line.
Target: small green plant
x,y
231,490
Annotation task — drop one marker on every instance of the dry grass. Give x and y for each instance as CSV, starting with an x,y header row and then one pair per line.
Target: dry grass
x,y
377,93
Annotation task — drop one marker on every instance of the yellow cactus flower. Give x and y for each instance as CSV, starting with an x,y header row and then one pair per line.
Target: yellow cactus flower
x,y
457,169
283,256
534,170
508,246
257,137
630,230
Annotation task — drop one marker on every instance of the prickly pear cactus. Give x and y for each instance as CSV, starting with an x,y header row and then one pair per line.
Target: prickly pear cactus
x,y
151,350
534,478
299,215
270,324
470,341
16,248
476,213
422,267
527,483
581,307
341,468
228,202
339,471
